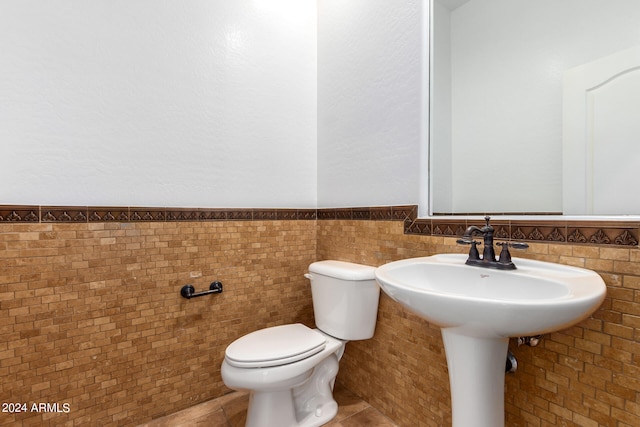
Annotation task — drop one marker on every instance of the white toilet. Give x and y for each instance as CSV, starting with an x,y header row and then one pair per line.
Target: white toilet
x,y
290,370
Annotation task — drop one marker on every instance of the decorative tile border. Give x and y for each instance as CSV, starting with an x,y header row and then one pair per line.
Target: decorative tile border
x,y
610,233
70,214
19,214
377,213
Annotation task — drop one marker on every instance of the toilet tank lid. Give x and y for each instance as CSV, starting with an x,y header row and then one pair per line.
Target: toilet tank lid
x,y
343,270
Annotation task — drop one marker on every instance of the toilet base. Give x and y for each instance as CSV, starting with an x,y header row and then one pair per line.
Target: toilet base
x,y
273,408
314,401
308,405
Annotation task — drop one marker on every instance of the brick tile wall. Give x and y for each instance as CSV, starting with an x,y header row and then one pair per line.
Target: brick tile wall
x,y
588,375
91,316
91,313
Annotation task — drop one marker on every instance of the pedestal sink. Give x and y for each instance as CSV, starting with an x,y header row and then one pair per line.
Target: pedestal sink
x,y
478,310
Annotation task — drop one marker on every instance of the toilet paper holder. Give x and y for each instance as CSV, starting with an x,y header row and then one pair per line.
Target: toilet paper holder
x,y
188,291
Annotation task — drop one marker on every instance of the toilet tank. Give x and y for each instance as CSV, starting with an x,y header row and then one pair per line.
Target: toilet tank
x,y
345,299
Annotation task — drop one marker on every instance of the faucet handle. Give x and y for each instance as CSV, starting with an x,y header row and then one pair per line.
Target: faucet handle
x,y
466,241
514,245
518,245
473,252
505,255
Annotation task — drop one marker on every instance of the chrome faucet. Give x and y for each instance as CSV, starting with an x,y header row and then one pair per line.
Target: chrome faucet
x,y
488,259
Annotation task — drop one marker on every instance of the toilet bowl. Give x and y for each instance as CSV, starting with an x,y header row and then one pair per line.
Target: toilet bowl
x,y
272,400
289,370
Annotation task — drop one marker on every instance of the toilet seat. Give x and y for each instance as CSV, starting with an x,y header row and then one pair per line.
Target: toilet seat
x,y
275,346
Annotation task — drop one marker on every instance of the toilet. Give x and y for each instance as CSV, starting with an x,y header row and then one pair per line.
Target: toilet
x,y
289,370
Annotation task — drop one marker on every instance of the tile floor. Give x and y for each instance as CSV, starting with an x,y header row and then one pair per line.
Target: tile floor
x,y
230,411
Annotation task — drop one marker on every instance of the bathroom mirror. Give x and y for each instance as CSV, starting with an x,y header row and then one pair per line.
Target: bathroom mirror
x,y
496,105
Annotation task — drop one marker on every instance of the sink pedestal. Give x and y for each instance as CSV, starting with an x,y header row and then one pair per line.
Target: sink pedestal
x,y
476,376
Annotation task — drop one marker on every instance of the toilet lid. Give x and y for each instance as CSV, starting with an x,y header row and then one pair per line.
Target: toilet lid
x,y
274,346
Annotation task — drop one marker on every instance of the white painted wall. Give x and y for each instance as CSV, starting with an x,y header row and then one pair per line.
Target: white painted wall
x,y
509,157
372,102
158,102
220,103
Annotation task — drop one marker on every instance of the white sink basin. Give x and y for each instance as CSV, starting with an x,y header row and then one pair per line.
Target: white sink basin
x,y
478,310
537,298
